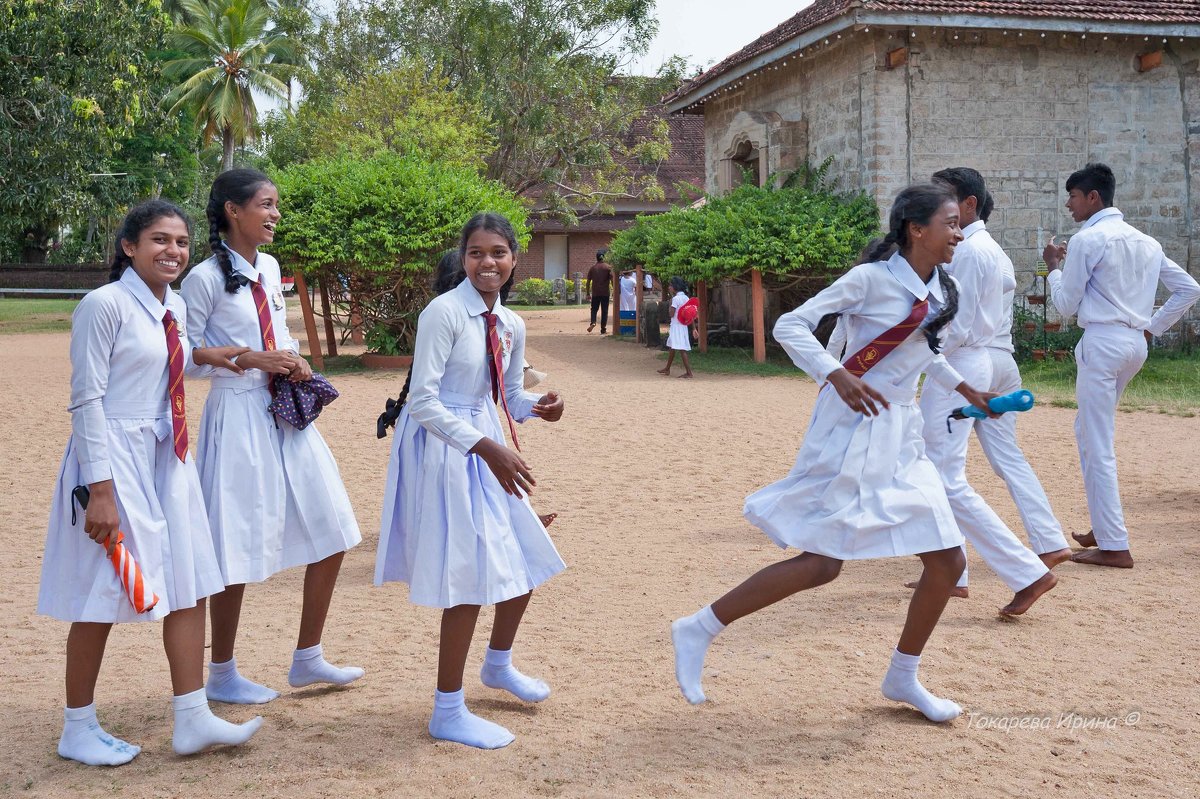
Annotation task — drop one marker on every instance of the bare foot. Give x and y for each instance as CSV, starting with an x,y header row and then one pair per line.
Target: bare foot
x,y
686,374
1117,558
1052,559
591,327
1023,600
1085,540
664,371
958,591
548,519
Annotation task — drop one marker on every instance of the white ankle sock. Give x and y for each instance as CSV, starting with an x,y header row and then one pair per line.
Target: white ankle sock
x,y
900,684
197,728
499,672
309,666
453,722
83,739
691,636
226,685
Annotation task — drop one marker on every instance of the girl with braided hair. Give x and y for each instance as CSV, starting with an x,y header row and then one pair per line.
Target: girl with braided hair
x,y
862,486
128,478
274,495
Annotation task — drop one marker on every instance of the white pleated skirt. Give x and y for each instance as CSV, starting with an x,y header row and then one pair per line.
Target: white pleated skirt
x,y
274,494
677,336
162,516
862,487
449,530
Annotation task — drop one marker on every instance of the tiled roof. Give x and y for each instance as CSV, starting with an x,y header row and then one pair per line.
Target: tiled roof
x,y
822,11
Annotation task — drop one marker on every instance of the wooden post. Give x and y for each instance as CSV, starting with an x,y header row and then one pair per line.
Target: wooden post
x,y
637,309
614,303
702,319
356,326
310,321
758,321
330,338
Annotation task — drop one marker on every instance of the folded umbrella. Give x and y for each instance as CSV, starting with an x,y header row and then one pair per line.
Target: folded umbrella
x,y
127,569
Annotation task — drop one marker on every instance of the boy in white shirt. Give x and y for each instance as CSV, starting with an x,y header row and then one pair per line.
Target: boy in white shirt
x,y
1109,278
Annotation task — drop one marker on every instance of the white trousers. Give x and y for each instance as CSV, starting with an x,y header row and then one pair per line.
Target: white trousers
x,y
1108,357
998,437
1000,549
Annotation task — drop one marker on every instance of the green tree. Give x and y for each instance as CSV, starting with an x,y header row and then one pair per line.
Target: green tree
x,y
229,49
547,74
804,227
380,223
75,77
407,110
298,21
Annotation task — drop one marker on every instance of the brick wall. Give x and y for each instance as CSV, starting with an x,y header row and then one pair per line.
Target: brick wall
x,y
581,254
1025,111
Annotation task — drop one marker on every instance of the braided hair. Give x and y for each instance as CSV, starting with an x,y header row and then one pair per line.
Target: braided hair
x,y
237,186
917,204
140,217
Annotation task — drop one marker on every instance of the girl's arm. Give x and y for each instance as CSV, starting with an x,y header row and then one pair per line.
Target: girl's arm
x,y
437,330
94,328
794,330
198,295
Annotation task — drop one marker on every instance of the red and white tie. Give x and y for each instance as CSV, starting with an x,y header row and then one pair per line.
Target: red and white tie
x,y
264,315
495,356
175,386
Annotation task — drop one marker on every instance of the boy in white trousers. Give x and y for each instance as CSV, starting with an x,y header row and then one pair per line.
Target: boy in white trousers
x,y
983,316
1109,277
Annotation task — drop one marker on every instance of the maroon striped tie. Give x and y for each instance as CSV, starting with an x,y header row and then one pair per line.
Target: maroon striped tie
x,y
495,356
175,386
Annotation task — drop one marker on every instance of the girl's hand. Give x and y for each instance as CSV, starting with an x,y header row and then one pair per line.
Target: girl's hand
x,y
302,372
100,520
549,407
276,362
978,398
221,357
510,469
857,394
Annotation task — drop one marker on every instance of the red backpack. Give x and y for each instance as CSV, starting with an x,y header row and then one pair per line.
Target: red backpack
x,y
687,313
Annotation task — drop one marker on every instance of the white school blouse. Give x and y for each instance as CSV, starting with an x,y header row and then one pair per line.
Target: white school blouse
x,y
121,366
450,358
872,298
227,326
978,269
1111,275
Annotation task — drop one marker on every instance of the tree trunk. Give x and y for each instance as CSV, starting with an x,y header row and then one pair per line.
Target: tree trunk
x,y
227,149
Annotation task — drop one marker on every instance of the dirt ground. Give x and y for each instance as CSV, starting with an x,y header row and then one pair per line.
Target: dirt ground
x,y
649,475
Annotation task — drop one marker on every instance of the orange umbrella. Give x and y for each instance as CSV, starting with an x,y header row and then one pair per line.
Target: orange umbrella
x,y
127,569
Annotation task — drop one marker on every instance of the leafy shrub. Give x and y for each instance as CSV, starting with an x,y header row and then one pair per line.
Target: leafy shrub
x,y
535,291
803,227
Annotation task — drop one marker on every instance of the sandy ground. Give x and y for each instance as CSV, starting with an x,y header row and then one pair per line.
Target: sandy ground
x,y
649,475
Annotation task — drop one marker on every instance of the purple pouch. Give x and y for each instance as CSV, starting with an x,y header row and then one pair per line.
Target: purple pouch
x,y
300,403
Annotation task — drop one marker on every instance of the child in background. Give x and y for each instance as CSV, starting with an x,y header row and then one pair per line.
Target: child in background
x,y
679,337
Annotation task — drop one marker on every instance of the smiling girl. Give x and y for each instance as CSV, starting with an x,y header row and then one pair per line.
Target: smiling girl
x,y
275,497
457,525
862,486
129,447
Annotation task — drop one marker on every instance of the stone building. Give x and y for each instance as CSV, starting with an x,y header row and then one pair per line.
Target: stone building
x,y
558,250
1025,91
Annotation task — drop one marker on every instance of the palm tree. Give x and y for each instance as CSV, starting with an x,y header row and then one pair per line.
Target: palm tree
x,y
230,48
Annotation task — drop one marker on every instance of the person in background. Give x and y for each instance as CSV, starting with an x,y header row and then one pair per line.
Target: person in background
x,y
599,277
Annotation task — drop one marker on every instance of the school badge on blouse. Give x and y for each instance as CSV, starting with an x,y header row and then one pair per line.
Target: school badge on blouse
x,y
507,342
277,298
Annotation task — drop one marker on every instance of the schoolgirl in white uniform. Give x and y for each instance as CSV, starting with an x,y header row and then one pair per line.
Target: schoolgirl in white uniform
x,y
1110,276
982,313
862,486
129,351
678,338
457,525
275,497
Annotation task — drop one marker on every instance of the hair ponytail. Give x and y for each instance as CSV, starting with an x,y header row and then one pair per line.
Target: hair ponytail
x,y
949,309
236,186
140,217
879,249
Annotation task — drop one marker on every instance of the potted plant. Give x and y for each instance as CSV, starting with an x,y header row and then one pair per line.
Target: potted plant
x,y
1029,326
1039,355
1052,327
1036,299
1061,355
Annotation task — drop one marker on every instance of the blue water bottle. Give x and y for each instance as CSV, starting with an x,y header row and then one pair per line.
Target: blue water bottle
x,y
1017,401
